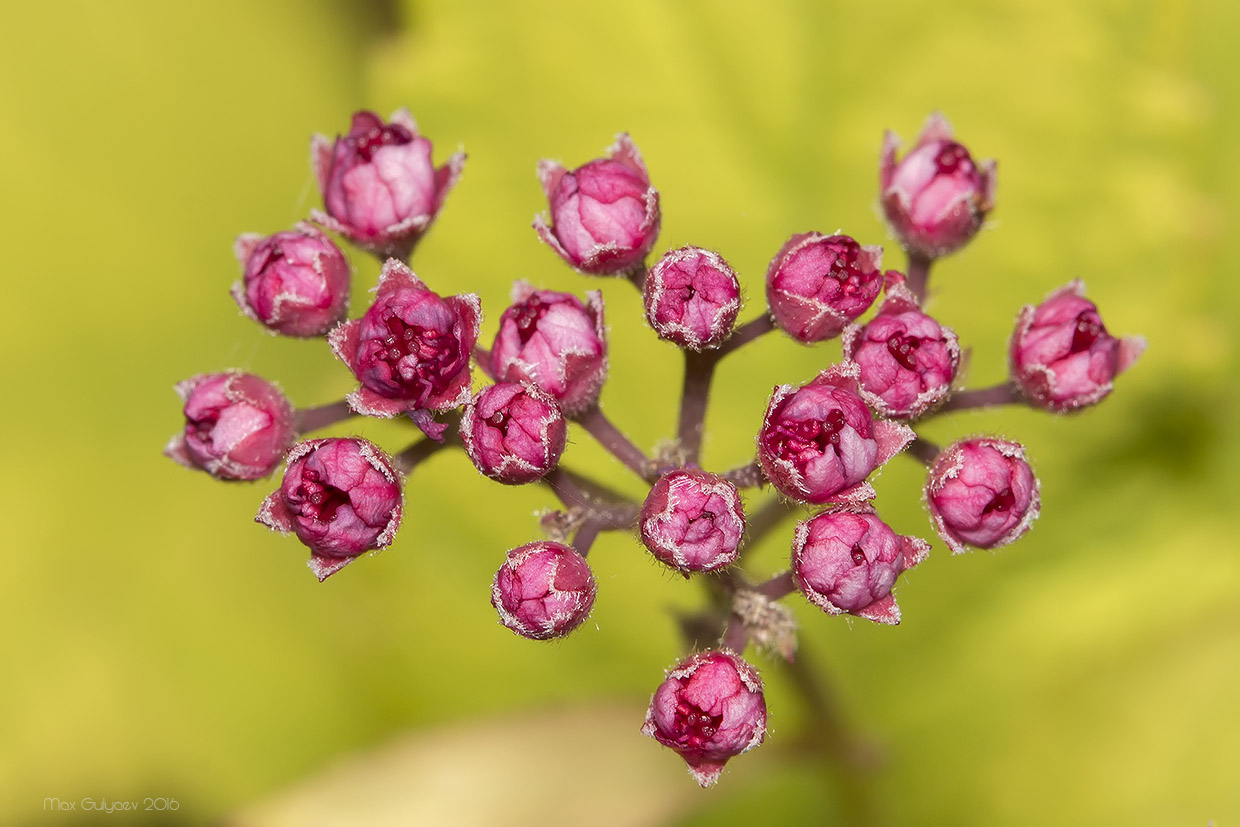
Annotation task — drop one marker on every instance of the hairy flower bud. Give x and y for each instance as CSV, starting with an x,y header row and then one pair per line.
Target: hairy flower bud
x,y
708,709
544,590
908,361
295,282
936,198
605,214
513,433
693,520
554,341
379,186
819,442
341,497
981,492
411,349
237,426
846,560
1062,357
692,297
817,284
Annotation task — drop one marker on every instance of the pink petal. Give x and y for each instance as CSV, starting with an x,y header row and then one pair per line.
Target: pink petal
x,y
274,514
883,610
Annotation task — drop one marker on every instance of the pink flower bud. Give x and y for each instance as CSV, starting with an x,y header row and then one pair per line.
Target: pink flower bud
x,y
1062,356
411,349
513,433
237,426
908,360
692,520
341,497
936,198
295,282
819,442
544,590
981,492
708,709
846,560
692,298
817,284
605,215
554,341
379,186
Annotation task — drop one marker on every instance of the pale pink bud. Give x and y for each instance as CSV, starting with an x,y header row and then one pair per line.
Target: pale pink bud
x,y
341,497
692,297
544,590
237,426
1062,357
981,492
908,360
820,442
295,282
554,341
846,560
817,284
709,708
411,349
605,214
513,433
379,186
936,198
692,520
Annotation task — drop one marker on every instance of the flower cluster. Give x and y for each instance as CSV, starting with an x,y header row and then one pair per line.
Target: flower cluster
x,y
415,355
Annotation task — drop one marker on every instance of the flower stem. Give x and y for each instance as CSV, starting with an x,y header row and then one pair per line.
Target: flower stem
x,y
923,450
746,476
736,636
1004,393
918,276
586,534
306,420
619,445
419,452
766,519
699,370
778,586
638,277
613,511
745,334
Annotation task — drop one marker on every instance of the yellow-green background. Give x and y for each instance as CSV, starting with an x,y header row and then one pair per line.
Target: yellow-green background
x,y
158,643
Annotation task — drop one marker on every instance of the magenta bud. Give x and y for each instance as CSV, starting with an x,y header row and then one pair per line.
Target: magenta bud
x,y
379,186
237,426
554,341
692,298
846,560
936,198
605,214
341,497
908,361
544,590
1062,357
981,492
820,442
513,433
295,282
817,284
709,708
692,520
411,349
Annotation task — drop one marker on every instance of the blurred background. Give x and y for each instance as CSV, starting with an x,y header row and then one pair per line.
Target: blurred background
x,y
158,644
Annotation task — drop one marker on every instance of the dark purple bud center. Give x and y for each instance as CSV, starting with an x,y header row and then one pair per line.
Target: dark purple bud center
x,y
809,435
1086,333
375,134
1003,501
434,352
952,157
321,500
844,269
695,726
904,350
205,424
858,556
500,420
274,254
526,315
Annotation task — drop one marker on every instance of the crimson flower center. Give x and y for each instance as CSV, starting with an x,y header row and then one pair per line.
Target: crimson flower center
x,y
858,556
1087,332
695,726
376,137
1003,501
810,435
951,158
904,350
321,500
526,315
500,420
434,354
